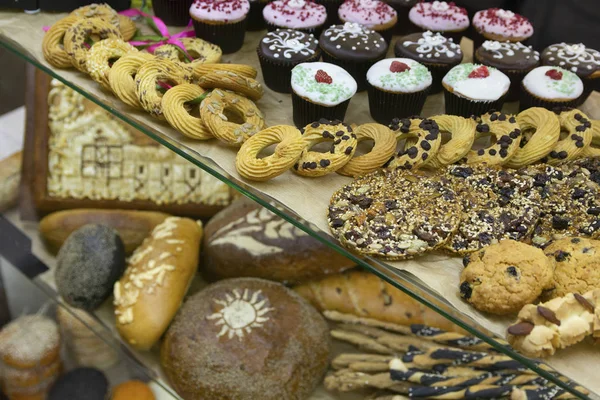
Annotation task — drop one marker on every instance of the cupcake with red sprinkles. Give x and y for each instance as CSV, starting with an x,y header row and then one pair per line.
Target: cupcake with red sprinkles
x,y
500,25
301,15
222,22
438,16
373,14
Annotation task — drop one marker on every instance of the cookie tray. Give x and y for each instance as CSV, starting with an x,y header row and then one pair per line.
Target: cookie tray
x,y
432,279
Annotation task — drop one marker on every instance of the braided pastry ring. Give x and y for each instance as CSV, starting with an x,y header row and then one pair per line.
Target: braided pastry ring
x,y
579,128
384,148
148,77
422,141
212,112
285,155
508,137
100,56
174,109
592,150
122,77
201,51
127,27
462,136
79,32
546,132
102,11
314,163
249,87
240,69
52,44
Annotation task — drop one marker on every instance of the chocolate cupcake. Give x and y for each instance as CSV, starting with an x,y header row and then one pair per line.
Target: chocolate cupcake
x,y
354,48
439,16
577,58
474,89
302,15
513,59
550,87
280,51
320,90
437,52
173,12
373,14
500,25
222,22
256,22
398,88
402,7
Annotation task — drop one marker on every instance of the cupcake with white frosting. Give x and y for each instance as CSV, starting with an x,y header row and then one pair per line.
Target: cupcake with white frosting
x,y
439,16
320,90
222,22
373,14
551,87
280,51
302,15
474,89
398,88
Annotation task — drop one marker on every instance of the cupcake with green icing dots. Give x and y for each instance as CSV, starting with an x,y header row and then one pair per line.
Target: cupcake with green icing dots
x,y
474,89
320,90
398,88
551,87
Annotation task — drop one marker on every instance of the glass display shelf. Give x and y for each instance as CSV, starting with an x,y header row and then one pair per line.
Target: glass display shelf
x,y
302,202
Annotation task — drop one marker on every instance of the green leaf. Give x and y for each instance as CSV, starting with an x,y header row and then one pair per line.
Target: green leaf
x,y
198,99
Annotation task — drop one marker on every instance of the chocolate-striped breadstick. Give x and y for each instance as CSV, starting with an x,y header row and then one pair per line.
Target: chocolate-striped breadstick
x,y
450,356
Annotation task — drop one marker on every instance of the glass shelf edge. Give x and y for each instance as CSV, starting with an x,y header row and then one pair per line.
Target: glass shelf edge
x,y
397,278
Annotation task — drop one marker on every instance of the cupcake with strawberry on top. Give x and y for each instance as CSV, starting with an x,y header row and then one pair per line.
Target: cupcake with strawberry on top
x,y
550,87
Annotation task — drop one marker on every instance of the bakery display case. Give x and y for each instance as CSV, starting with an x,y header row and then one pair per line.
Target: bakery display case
x,y
132,160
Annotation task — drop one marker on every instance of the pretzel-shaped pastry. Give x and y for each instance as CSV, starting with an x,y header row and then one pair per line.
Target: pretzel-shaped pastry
x,y
101,55
288,150
82,30
174,110
546,127
240,69
121,77
508,136
579,129
384,148
52,44
212,112
422,141
462,136
127,27
102,11
314,163
148,77
201,51
232,81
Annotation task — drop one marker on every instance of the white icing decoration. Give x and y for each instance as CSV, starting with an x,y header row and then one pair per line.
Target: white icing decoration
x,y
574,54
440,6
368,3
241,313
350,30
286,42
539,84
414,80
505,14
434,43
506,49
296,3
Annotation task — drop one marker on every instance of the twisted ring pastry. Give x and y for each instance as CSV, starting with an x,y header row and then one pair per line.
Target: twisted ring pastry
x,y
219,102
127,27
249,87
579,136
121,77
422,140
384,148
175,111
75,40
102,11
200,50
240,69
462,136
593,149
52,44
289,147
546,132
508,136
102,54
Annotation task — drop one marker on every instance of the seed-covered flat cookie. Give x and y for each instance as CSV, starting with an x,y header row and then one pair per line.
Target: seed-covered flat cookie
x,y
394,214
497,204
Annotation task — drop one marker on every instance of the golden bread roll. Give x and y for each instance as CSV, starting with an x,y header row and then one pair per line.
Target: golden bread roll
x,y
157,277
10,178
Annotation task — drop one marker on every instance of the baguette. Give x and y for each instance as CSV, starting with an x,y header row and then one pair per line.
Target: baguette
x,y
133,226
10,179
365,295
157,277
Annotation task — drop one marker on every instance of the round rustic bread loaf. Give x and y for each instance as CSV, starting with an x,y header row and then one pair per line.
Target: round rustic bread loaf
x,y
246,339
88,264
247,240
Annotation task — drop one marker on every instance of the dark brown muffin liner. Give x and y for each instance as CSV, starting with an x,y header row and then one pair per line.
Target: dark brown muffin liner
x,y
229,37
173,12
385,106
278,75
315,31
357,68
331,6
306,111
256,22
528,100
456,105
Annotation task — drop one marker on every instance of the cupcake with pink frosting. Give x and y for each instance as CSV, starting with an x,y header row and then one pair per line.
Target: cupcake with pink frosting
x,y
439,16
301,15
373,14
500,25
222,22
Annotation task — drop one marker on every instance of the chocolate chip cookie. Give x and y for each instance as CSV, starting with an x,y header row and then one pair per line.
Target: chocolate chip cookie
x,y
504,277
576,263
394,214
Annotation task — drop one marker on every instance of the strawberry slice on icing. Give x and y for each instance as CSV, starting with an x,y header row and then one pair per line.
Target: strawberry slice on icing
x,y
323,77
397,66
480,73
554,74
